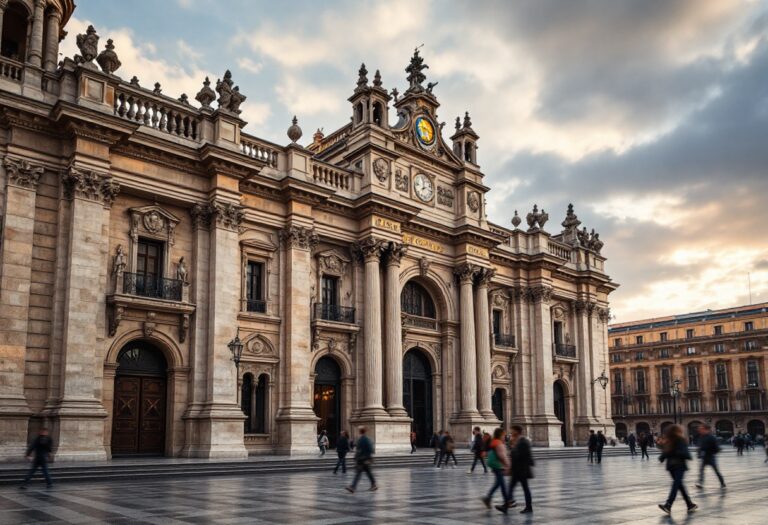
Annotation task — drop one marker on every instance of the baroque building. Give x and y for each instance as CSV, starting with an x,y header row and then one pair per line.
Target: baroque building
x,y
142,234
702,367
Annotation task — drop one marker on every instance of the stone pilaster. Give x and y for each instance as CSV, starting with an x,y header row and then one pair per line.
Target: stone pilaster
x,y
51,53
15,277
371,250
584,420
467,352
297,423
393,341
35,53
599,352
523,392
483,346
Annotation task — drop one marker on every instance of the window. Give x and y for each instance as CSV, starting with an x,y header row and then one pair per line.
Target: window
x,y
721,375
617,409
748,326
642,406
666,405
719,329
330,291
754,402
692,373
618,384
639,356
497,322
753,374
664,353
616,358
750,345
617,342
719,348
148,278
689,333
691,350
415,300
666,379
639,340
694,404
722,404
254,287
663,337
640,381
254,404
558,332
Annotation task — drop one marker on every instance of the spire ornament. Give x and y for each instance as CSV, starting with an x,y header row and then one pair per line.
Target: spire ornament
x,y
108,60
377,79
362,78
294,132
206,95
415,75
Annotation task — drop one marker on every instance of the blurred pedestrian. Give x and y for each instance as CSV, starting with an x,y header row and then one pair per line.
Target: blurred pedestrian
x,y
434,444
592,445
632,442
675,452
478,449
322,442
499,463
522,468
708,448
413,441
644,446
449,446
363,461
342,449
738,442
601,442
39,453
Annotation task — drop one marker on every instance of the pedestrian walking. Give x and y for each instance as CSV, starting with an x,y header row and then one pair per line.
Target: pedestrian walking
x,y
522,468
592,445
632,442
708,449
499,463
322,442
363,461
478,449
644,446
738,442
675,452
39,453
601,442
434,444
413,441
342,449
449,447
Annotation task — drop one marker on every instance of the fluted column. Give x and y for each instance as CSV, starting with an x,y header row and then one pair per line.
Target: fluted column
x,y
371,250
393,343
466,274
53,18
483,344
35,54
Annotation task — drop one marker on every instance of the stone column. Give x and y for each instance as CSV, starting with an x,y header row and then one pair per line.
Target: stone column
x,y
35,52
371,249
53,19
393,341
483,346
466,274
297,422
15,278
585,415
523,390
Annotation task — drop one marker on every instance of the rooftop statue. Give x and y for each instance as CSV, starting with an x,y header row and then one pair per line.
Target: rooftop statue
x,y
415,75
88,44
107,59
230,97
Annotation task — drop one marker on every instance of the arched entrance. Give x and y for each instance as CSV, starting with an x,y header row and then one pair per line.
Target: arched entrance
x,y
417,394
756,428
621,431
642,428
138,422
497,403
328,397
560,409
724,429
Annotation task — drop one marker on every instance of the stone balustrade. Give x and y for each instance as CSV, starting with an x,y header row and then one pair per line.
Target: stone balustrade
x,y
259,150
332,176
558,250
11,70
158,112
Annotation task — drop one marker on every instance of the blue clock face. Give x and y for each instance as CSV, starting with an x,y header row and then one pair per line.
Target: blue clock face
x,y
425,131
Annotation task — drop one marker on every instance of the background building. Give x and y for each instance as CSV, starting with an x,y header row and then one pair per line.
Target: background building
x,y
143,237
703,367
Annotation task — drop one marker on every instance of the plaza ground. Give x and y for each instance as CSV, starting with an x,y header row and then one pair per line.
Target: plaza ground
x,y
621,490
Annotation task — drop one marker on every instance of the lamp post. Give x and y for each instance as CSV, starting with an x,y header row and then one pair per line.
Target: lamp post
x,y
674,391
602,379
236,347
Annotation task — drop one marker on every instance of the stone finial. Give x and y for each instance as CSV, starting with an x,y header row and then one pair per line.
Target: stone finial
x,y
516,220
157,89
108,60
571,221
135,81
230,97
467,121
458,123
88,44
206,95
294,132
377,79
395,93
184,99
317,138
536,219
362,77
415,75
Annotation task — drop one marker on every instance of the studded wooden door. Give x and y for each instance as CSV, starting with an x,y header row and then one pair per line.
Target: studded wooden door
x,y
138,425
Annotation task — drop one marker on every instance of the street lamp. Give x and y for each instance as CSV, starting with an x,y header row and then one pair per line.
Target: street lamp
x,y
236,347
674,391
602,379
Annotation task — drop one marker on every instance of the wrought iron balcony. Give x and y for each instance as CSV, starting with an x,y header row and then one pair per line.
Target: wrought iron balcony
x,y
153,286
565,350
335,313
507,340
417,321
256,305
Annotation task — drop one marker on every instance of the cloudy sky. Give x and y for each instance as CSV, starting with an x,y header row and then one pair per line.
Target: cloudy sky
x,y
651,116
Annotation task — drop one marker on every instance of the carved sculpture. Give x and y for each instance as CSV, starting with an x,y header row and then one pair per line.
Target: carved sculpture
x,y
206,95
381,169
107,59
230,97
401,181
444,196
473,201
181,272
377,79
424,266
536,219
415,75
88,44
22,173
119,261
299,237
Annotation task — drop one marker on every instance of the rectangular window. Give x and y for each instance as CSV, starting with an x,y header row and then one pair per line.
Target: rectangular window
x,y
694,404
753,374
664,353
691,350
254,287
639,356
748,326
642,406
754,402
689,333
330,293
618,384
558,327
663,337
692,373
640,381
750,345
719,329
721,376
666,380
722,404
665,406
496,322
149,269
719,348
617,342
639,340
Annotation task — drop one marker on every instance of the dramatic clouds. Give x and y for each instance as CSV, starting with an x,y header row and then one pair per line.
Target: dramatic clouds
x,y
651,116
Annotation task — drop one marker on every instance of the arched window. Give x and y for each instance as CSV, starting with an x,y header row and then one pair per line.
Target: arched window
x,y
468,156
14,43
377,114
415,300
260,410
359,113
246,402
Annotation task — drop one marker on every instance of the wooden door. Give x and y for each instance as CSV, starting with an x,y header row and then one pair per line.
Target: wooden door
x,y
138,424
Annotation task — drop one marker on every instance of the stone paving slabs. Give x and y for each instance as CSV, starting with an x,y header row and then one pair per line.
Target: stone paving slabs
x,y
623,490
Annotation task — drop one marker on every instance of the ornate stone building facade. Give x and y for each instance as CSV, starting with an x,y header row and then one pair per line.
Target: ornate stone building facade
x,y
703,367
141,234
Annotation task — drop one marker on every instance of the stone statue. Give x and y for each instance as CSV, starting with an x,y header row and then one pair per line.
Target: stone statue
x,y
118,263
108,60
230,97
181,271
237,99
583,237
431,86
88,44
415,75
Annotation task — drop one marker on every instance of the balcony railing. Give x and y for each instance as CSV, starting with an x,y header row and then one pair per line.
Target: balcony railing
x,y
152,286
682,341
256,305
417,321
335,313
565,350
507,340
11,69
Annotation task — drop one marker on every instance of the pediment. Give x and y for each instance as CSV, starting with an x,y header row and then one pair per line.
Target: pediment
x,y
333,261
153,221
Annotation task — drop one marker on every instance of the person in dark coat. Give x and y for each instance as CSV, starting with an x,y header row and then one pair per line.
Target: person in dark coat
x,y
363,460
675,453
413,441
601,442
434,444
708,448
39,453
521,470
342,449
643,446
632,442
738,442
478,449
592,445
448,447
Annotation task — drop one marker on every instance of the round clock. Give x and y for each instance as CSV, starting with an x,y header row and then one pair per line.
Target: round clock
x,y
425,132
423,187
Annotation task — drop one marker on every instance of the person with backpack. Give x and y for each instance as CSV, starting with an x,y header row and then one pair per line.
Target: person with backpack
x,y
363,461
498,461
478,449
322,442
342,449
675,452
708,448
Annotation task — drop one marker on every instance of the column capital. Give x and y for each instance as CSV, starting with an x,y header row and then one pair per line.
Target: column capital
x,y
395,251
484,276
227,215
201,216
22,173
301,237
89,185
369,249
465,272
3,4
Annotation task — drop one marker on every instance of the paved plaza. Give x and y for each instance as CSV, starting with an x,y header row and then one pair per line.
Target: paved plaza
x,y
621,490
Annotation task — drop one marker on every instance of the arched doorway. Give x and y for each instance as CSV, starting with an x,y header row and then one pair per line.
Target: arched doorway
x,y
138,421
417,394
328,397
724,429
497,403
621,431
642,428
14,42
560,409
756,428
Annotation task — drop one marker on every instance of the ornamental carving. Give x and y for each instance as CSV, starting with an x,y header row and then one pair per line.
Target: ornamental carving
x,y
536,219
154,222
541,294
465,272
259,346
604,314
300,237
395,252
332,263
401,181
227,215
90,185
499,298
424,266
558,312
473,201
500,373
88,44
484,276
579,306
206,95
369,248
230,97
201,215
445,196
381,169
108,60
22,173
